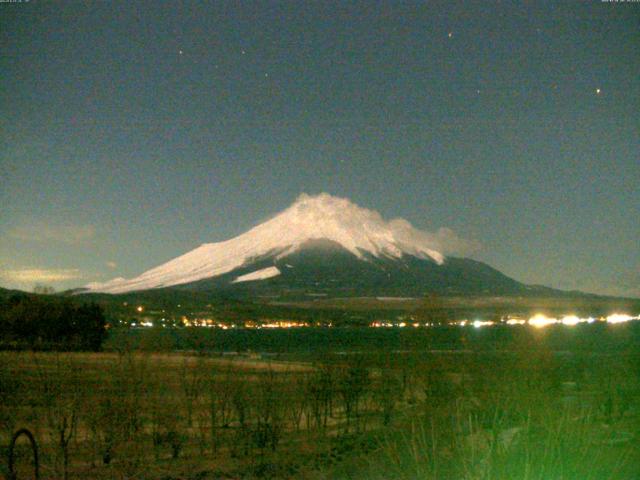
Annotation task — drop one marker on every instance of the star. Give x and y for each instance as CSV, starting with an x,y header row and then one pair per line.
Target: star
x,y
598,91
450,34
180,52
244,52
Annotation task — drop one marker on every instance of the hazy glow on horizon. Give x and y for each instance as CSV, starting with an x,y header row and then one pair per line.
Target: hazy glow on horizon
x,y
570,320
516,321
541,320
480,323
620,318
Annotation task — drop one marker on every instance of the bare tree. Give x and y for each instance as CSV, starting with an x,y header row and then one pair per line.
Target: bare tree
x,y
296,400
61,396
268,412
387,393
220,407
320,391
192,381
351,386
240,404
116,419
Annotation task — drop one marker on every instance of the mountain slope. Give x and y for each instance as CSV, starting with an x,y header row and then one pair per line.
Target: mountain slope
x,y
324,246
360,231
324,268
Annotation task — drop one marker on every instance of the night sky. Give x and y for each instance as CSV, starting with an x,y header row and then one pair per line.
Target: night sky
x,y
132,132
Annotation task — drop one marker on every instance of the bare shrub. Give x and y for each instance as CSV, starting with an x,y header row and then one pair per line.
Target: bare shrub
x,y
220,407
320,388
114,413
387,393
352,383
61,395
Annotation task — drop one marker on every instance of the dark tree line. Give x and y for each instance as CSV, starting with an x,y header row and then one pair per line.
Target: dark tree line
x,y
38,322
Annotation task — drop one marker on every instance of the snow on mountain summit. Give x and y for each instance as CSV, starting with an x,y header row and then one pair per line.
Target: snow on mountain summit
x,y
320,217
355,228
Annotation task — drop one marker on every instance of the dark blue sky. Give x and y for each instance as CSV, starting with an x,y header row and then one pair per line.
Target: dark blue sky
x,y
134,131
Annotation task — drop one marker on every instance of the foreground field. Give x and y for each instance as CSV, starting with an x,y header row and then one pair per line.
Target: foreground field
x,y
524,411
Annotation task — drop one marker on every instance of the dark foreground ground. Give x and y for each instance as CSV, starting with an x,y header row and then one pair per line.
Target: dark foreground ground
x,y
444,403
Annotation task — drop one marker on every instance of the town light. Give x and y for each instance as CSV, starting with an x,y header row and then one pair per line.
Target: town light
x,y
541,320
619,318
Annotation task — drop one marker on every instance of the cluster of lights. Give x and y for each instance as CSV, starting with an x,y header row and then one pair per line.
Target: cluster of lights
x,y
381,324
147,323
378,324
209,323
570,320
475,323
480,323
621,317
206,322
283,324
516,321
573,320
537,321
277,324
541,320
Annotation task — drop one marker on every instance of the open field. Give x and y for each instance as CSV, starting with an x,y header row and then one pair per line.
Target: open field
x,y
525,410
310,342
173,306
589,303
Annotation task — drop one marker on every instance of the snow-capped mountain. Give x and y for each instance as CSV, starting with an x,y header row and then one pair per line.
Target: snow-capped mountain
x,y
327,245
356,229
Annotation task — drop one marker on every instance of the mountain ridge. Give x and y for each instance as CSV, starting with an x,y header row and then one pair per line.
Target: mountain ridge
x,y
358,230
325,246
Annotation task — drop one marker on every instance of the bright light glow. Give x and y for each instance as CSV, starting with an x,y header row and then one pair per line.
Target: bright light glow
x,y
541,320
282,324
480,323
619,318
571,320
516,321
140,309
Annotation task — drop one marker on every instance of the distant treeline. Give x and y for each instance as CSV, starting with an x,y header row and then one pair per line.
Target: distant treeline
x,y
50,323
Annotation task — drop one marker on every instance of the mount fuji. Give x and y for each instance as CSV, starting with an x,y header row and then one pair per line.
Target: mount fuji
x,y
327,246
